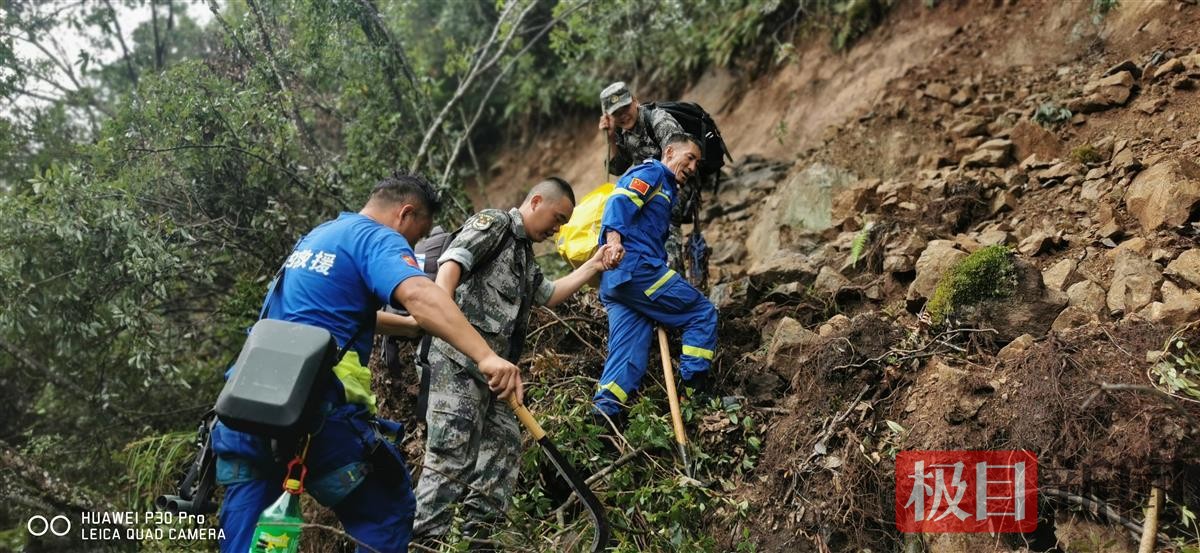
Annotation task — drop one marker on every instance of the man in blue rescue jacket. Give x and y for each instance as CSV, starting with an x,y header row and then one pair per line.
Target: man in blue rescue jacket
x,y
337,278
642,290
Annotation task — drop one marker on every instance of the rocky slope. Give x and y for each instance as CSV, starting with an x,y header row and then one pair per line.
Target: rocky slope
x,y
1086,167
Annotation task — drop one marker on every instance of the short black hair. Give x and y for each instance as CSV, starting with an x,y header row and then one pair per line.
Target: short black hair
x,y
556,186
406,188
681,137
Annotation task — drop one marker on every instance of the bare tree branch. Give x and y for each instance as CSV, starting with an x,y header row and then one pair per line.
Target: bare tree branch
x,y
512,62
375,30
216,11
307,140
484,61
133,75
159,47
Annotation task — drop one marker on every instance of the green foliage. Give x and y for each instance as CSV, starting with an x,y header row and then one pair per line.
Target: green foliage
x,y
1178,371
1086,154
860,242
154,464
650,504
1100,8
1050,114
984,275
857,17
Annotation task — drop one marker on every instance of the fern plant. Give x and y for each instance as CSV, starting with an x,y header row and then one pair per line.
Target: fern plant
x,y
860,242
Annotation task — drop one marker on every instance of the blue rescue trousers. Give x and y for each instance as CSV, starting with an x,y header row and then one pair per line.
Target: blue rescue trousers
x,y
637,295
352,469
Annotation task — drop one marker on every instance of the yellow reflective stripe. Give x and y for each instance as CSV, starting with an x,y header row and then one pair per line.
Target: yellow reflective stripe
x,y
637,200
616,391
664,196
698,352
661,281
356,381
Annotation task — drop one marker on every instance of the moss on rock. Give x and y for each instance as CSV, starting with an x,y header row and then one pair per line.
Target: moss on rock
x,y
984,275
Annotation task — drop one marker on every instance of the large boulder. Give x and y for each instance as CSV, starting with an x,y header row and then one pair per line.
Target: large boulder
x,y
902,257
731,297
993,153
1177,307
1029,138
1061,274
783,267
1135,279
854,199
829,281
1088,296
790,339
939,256
801,203
1186,267
1030,309
1101,94
1164,195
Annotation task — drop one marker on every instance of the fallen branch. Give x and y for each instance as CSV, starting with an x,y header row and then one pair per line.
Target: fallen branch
x,y
1100,508
600,474
1154,391
918,353
337,531
819,447
573,331
1150,526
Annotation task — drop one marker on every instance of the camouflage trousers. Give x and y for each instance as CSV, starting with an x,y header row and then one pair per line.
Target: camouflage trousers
x,y
472,453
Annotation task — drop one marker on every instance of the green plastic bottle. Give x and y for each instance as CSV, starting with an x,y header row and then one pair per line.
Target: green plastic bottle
x,y
278,529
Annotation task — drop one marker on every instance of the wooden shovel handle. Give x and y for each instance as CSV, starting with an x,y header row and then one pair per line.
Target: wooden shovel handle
x,y
672,396
526,418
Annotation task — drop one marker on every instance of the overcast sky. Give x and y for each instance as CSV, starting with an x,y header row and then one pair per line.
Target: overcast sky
x,y
72,41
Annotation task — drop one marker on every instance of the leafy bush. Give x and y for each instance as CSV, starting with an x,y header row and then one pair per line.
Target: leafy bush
x,y
1050,114
1178,371
1086,154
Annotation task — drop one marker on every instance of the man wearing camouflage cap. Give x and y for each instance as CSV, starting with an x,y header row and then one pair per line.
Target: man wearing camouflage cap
x,y
472,447
634,133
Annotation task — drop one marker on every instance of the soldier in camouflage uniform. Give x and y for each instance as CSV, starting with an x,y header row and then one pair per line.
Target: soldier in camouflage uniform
x,y
472,448
636,134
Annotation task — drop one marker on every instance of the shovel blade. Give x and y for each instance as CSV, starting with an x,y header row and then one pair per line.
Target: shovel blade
x,y
603,536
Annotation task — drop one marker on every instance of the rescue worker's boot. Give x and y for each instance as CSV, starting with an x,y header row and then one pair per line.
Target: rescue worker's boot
x,y
698,387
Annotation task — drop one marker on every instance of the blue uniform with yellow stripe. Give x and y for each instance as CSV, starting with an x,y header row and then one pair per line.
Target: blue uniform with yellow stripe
x,y
642,290
336,278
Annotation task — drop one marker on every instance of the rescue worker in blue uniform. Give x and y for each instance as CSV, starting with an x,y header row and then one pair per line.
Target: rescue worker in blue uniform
x,y
642,290
336,278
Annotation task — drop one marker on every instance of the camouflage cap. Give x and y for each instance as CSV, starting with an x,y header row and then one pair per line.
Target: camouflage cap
x,y
615,96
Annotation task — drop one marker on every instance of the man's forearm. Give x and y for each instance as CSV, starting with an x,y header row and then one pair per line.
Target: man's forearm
x,y
565,286
612,237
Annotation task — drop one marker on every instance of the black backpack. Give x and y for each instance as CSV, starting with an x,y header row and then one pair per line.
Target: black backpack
x,y
698,123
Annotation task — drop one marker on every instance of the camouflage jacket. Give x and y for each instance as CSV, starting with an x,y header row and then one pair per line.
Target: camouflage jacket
x,y
644,141
491,297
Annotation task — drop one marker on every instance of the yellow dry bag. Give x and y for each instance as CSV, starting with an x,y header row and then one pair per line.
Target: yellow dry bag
x,y
580,237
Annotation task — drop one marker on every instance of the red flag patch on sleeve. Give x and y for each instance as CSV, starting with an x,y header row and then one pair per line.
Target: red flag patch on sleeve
x,y
409,259
640,186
